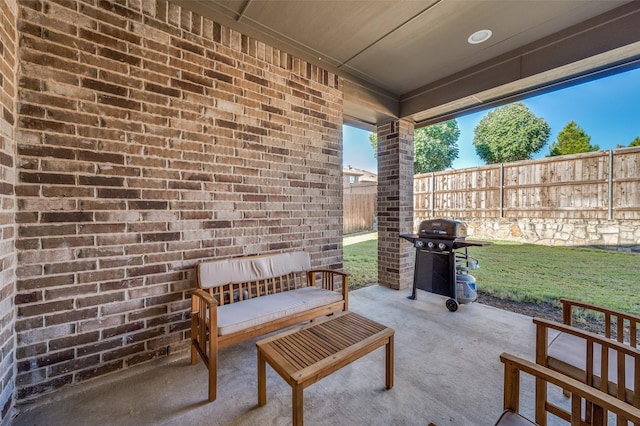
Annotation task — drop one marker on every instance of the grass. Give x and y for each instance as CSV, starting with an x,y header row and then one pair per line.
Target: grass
x,y
361,263
533,273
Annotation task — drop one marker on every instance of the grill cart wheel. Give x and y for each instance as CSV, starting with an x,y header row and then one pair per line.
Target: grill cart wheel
x,y
452,305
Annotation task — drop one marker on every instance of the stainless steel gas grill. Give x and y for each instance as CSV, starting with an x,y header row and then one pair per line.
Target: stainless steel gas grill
x,y
442,261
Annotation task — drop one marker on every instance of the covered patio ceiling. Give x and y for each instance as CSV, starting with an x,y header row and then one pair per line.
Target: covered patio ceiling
x,y
412,59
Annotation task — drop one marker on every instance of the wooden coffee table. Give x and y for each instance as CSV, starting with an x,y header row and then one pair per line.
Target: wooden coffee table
x,y
305,355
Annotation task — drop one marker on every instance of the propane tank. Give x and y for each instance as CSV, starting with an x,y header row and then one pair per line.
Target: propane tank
x,y
465,286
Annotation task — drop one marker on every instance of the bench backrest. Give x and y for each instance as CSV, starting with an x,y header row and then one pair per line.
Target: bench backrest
x,y
247,277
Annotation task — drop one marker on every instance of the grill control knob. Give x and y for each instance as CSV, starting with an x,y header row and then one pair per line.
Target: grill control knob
x,y
431,244
419,244
442,246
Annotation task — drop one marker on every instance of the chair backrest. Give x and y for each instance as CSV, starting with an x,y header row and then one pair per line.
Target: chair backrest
x,y
623,326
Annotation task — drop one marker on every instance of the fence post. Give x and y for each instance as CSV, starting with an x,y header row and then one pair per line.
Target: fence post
x,y
501,190
610,209
433,195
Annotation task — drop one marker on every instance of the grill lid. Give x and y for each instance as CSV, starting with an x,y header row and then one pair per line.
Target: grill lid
x,y
442,228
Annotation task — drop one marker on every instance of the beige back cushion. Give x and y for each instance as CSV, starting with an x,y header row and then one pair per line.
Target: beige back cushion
x,y
215,273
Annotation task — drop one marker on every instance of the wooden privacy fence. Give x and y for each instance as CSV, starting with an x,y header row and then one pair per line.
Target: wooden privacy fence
x,y
600,185
359,207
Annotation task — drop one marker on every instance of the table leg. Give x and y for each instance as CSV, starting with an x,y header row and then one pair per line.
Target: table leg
x,y
262,379
297,402
389,363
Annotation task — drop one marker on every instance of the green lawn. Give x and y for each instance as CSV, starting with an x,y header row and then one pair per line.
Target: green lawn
x,y
361,263
533,273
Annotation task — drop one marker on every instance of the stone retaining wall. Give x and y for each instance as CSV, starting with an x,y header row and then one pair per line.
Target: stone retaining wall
x,y
620,235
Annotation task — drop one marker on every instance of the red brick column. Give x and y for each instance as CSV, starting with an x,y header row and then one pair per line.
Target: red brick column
x,y
395,203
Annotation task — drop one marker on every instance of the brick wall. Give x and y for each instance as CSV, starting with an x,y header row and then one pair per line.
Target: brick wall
x,y
7,207
148,138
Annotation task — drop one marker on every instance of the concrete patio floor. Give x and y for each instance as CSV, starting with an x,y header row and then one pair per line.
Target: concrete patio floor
x,y
447,371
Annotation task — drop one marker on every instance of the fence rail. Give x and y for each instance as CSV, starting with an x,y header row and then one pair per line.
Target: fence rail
x,y
600,185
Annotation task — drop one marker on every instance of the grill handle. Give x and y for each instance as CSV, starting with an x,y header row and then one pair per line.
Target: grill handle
x,y
433,231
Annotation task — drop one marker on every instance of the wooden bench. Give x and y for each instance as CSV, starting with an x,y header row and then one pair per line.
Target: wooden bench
x,y
242,298
597,403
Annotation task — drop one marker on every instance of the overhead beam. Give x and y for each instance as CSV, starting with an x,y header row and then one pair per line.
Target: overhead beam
x,y
608,40
365,108
606,64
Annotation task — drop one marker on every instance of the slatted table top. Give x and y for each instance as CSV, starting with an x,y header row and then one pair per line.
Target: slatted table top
x,y
305,355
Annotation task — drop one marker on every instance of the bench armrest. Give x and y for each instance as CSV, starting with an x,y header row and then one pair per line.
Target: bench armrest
x,y
208,299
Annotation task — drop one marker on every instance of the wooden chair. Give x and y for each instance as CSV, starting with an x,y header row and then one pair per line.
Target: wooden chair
x,y
597,360
598,404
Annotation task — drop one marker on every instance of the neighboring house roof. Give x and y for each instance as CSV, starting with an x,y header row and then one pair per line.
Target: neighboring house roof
x,y
363,175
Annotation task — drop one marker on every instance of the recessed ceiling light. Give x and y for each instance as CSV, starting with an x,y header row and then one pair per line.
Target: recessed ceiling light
x,y
479,36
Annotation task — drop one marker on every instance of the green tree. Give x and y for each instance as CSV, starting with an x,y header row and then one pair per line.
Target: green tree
x,y
435,147
373,140
510,133
635,142
572,139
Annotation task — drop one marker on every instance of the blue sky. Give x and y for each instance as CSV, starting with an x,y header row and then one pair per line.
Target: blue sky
x,y
607,109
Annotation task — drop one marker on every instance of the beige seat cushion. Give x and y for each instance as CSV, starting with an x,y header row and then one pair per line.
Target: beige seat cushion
x,y
567,354
510,418
240,316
